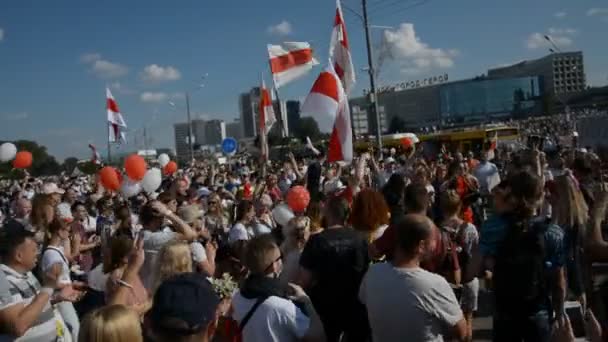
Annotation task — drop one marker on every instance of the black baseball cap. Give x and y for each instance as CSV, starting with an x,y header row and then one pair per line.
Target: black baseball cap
x,y
184,305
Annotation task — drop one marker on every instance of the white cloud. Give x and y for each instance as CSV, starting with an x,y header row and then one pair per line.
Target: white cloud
x,y
562,31
560,15
414,56
103,68
15,116
153,97
121,88
90,57
155,73
562,37
281,29
1,34
603,12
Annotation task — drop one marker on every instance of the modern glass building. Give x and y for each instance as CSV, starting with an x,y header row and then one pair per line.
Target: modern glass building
x,y
486,99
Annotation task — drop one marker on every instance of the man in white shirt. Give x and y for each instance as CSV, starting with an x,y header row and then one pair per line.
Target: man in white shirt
x,y
266,310
155,237
487,174
405,302
26,313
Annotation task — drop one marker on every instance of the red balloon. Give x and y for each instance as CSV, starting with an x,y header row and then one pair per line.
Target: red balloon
x,y
406,142
170,168
109,178
298,198
136,167
22,160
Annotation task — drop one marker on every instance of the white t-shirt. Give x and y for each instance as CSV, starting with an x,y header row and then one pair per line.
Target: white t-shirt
x,y
239,232
198,252
153,243
277,319
55,255
425,300
487,175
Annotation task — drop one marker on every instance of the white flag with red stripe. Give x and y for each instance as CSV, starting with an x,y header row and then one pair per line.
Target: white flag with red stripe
x,y
290,61
327,97
116,123
339,51
266,119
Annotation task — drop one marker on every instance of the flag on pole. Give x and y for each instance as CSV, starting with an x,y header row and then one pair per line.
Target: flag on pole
x,y
266,119
95,158
290,61
327,97
339,51
116,123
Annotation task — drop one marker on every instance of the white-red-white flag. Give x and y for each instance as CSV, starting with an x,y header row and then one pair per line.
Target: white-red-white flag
x,y
327,97
116,123
290,61
339,51
95,157
266,118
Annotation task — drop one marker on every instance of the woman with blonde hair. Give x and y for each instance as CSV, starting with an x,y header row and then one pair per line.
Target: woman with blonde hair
x,y
43,213
296,233
114,323
569,211
174,258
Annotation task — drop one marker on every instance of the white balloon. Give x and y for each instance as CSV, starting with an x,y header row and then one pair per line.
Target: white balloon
x,y
152,180
282,214
163,159
8,151
130,188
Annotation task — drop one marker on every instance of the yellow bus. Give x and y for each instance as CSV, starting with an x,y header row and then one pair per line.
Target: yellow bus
x,y
462,139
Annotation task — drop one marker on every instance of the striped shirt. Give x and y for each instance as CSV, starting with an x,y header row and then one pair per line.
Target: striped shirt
x,y
22,289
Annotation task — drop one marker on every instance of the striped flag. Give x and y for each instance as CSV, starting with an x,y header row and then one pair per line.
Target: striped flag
x,y
95,158
339,51
327,97
116,123
266,118
290,61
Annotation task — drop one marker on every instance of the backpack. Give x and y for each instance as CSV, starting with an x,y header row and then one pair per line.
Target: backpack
x,y
451,245
519,277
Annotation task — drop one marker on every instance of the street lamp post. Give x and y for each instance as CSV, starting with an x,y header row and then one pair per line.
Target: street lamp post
x,y
190,144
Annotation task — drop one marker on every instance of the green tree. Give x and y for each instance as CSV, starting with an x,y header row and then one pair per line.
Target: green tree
x,y
43,164
308,127
69,164
89,168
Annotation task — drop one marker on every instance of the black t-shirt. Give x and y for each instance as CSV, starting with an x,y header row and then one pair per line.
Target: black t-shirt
x,y
338,259
313,178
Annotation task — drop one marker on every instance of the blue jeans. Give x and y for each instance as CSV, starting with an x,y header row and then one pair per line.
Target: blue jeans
x,y
517,328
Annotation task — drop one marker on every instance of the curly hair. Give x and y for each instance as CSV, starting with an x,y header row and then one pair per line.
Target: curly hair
x,y
369,211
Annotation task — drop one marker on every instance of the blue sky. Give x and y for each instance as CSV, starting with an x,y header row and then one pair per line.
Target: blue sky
x,y
56,57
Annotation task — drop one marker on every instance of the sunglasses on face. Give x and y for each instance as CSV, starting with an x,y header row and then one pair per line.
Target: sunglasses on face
x,y
280,258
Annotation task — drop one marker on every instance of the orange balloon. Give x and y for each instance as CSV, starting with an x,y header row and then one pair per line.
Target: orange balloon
x,y
298,198
22,160
136,167
109,178
170,168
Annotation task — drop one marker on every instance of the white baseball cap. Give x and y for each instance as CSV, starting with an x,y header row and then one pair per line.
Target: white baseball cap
x,y
52,188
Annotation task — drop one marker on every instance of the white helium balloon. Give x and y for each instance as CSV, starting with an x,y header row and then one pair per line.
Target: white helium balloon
x,y
8,151
163,159
130,188
152,180
282,214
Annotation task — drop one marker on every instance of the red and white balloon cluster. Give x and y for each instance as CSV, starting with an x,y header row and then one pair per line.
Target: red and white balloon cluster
x,y
21,159
138,176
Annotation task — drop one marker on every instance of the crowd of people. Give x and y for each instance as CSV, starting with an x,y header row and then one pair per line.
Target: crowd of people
x,y
392,249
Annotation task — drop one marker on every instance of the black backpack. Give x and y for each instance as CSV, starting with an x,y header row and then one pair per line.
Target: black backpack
x,y
452,239
520,280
